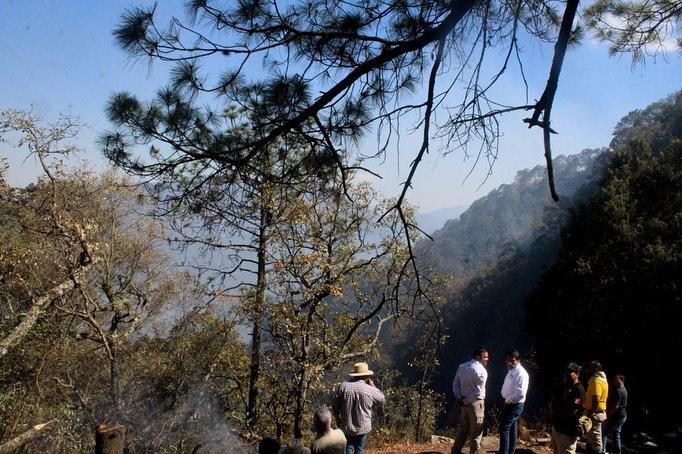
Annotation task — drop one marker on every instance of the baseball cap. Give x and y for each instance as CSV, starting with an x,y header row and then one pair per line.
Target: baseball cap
x,y
573,367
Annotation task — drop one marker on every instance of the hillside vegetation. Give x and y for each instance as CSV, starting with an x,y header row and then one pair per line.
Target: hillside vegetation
x,y
509,217
84,279
614,291
595,276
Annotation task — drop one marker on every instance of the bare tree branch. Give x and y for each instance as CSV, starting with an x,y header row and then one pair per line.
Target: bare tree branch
x,y
26,437
544,104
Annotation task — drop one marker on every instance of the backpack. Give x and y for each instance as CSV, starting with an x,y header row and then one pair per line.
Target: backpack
x,y
584,425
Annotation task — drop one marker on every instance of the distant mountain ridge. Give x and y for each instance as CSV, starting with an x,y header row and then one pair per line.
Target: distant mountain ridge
x,y
504,221
434,220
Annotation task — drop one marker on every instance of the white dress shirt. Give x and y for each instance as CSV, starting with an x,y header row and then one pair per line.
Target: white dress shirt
x,y
469,382
515,385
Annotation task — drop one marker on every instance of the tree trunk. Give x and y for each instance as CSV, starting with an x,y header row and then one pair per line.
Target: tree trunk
x,y
303,381
110,440
420,407
114,390
259,307
301,394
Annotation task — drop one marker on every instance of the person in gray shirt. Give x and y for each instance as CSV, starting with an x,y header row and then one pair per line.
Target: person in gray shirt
x,y
615,413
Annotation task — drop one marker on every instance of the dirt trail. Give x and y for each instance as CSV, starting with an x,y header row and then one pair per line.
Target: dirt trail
x,y
490,445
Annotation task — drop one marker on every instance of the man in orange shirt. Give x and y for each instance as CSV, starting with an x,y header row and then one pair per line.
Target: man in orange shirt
x,y
595,405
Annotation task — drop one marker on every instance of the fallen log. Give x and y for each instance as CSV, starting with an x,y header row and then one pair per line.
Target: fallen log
x,y
25,438
440,439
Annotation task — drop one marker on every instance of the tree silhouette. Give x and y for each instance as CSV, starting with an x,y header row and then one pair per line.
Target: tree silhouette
x,y
330,73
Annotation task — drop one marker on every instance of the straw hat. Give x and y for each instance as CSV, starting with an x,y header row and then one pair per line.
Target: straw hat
x,y
361,370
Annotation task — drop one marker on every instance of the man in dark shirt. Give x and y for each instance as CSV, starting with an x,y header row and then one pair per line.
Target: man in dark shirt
x,y
615,412
567,406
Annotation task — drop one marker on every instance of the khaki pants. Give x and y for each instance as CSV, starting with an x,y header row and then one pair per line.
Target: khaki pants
x,y
594,436
470,427
562,443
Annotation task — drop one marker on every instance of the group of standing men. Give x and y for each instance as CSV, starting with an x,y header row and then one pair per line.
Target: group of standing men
x,y
574,411
592,413
468,387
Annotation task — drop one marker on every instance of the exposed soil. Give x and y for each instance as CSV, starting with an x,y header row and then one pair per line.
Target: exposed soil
x,y
489,445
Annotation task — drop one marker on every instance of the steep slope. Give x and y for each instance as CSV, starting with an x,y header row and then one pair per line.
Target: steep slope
x,y
434,220
503,221
495,253
614,291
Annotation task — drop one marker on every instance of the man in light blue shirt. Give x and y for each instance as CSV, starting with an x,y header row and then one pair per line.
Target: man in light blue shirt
x,y
514,390
469,390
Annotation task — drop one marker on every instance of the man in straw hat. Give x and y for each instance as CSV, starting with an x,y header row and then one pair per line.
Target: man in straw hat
x,y
353,403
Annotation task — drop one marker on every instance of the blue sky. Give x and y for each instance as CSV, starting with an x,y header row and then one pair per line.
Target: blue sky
x,y
60,56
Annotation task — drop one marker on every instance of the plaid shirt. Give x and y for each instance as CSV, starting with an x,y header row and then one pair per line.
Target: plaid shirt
x,y
353,402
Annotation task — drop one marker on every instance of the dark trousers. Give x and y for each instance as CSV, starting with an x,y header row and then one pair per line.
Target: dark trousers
x,y
509,427
613,427
356,444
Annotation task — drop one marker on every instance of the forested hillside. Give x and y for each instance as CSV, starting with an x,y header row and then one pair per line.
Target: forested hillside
x,y
594,276
601,268
493,256
614,291
508,218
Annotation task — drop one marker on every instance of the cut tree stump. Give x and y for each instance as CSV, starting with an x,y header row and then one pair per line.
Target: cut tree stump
x,y
109,440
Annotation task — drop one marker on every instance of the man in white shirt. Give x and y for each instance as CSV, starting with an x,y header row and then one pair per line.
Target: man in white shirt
x,y
469,390
514,391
